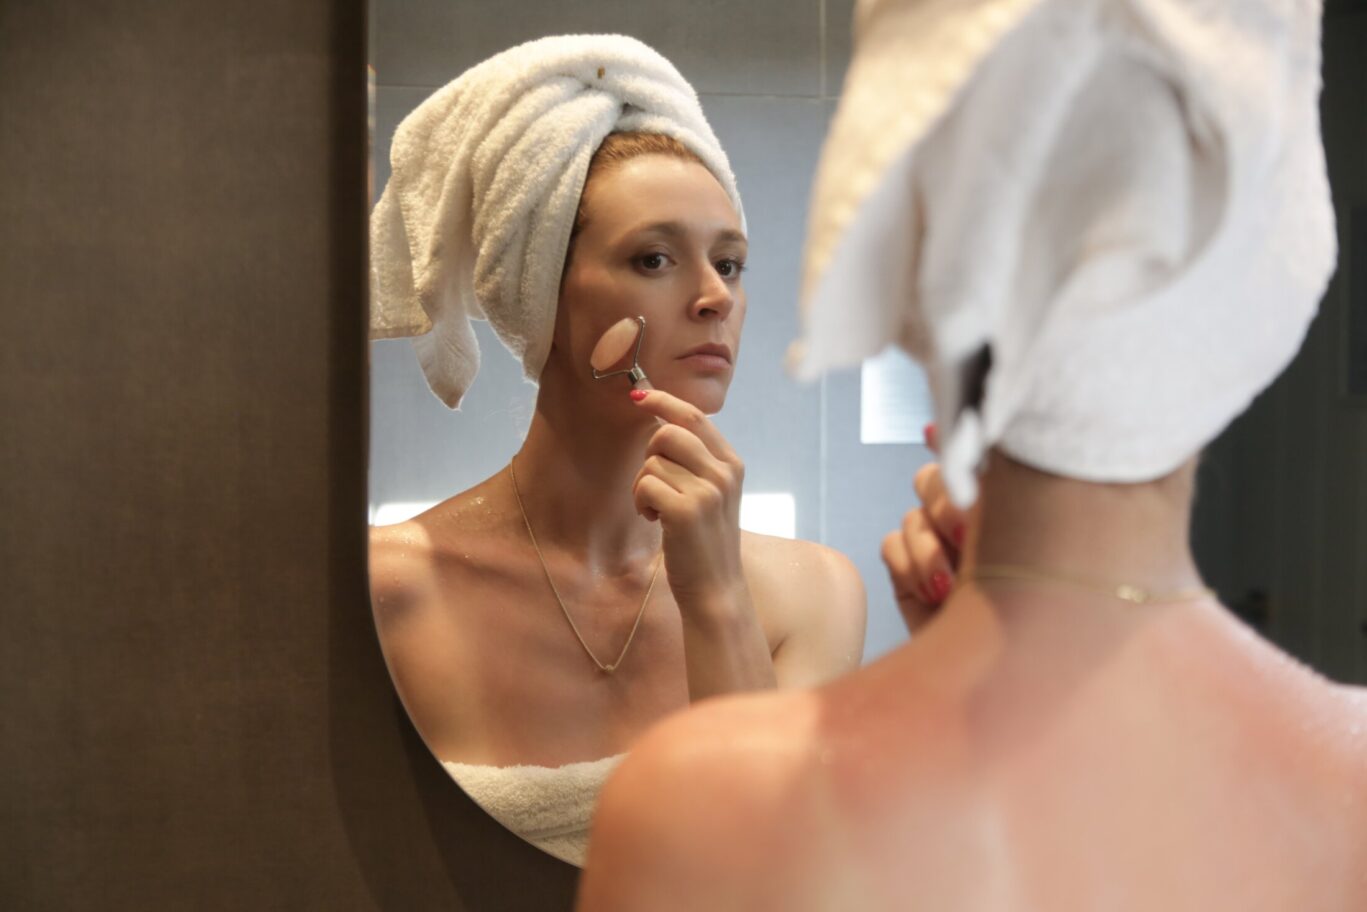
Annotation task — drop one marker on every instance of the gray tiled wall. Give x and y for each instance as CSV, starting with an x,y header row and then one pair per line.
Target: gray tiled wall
x,y
758,47
767,71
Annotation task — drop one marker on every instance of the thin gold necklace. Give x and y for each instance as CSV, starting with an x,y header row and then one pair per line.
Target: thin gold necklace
x,y
606,669
1126,592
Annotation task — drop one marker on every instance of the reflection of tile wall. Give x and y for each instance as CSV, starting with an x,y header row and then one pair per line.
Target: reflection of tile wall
x,y
766,71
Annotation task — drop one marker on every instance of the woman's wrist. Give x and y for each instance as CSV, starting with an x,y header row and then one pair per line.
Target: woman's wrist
x,y
722,607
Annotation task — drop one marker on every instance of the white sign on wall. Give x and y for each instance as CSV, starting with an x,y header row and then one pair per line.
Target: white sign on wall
x,y
894,400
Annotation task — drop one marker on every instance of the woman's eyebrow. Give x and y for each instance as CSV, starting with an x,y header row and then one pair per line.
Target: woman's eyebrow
x,y
671,229
678,230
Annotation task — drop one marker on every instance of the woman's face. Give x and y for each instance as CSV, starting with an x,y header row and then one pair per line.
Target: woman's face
x,y
660,240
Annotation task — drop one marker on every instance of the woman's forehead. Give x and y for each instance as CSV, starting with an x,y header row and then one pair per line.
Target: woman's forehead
x,y
658,192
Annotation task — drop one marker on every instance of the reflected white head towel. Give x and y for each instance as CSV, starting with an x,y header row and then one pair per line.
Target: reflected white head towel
x,y
486,179
1103,226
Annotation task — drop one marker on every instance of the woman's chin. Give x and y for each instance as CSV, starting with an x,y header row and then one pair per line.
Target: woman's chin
x,y
707,393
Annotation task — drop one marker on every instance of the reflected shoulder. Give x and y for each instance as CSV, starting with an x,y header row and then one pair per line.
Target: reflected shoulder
x,y
400,544
802,567
400,560
816,596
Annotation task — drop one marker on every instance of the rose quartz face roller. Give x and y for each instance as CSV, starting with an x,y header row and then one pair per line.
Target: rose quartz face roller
x,y
613,347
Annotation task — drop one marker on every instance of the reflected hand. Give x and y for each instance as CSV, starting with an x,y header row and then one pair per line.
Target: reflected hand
x,y
691,482
923,554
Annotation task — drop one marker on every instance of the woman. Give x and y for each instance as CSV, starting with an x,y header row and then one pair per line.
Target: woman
x,y
521,619
1118,238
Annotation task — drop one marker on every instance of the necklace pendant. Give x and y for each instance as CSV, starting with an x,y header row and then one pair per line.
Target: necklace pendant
x,y
1132,594
609,669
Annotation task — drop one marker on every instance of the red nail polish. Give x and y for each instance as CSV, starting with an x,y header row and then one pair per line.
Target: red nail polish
x,y
941,584
928,434
960,533
638,395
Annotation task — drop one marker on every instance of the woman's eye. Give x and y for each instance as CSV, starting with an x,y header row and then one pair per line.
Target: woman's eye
x,y
652,262
730,268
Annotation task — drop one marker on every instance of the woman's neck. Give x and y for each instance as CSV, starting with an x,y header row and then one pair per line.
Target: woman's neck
x,y
1134,534
1037,642
575,472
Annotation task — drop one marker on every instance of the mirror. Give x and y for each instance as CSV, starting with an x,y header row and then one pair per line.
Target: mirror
x,y
1279,520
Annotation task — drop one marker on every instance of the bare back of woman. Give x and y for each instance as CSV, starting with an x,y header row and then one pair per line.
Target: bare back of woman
x,y
1034,747
1177,763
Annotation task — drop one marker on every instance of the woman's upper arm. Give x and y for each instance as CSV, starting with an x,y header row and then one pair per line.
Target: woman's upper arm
x,y
829,611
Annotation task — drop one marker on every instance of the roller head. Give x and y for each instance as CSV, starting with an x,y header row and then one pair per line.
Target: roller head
x,y
615,343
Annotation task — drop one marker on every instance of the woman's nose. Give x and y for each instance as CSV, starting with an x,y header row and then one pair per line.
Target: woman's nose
x,y
715,298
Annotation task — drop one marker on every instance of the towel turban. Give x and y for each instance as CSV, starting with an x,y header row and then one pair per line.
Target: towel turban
x,y
1103,226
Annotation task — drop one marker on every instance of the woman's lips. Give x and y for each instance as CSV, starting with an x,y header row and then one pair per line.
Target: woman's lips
x,y
708,358
706,362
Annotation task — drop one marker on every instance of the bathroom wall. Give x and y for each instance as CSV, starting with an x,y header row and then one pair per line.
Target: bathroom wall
x,y
768,72
193,710
1281,524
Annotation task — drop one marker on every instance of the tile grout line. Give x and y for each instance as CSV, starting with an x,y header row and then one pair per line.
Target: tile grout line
x,y
823,458
821,32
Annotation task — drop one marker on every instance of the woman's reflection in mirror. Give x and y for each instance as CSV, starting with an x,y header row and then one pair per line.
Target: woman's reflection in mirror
x,y
539,622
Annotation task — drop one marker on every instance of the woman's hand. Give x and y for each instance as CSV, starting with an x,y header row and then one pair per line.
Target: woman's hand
x,y
691,482
922,556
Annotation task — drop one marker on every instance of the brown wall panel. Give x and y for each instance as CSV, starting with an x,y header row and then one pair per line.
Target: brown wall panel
x,y
193,709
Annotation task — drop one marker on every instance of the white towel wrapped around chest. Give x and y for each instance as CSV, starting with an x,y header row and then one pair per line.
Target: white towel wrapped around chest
x,y
550,807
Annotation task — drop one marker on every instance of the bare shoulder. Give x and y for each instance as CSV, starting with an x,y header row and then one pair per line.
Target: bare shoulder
x,y
797,565
410,560
814,598
1333,770
400,568
789,800
706,803
1304,734
1311,718
1350,754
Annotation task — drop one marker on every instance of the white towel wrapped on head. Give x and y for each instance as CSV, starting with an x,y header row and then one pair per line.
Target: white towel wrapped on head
x,y
486,178
1103,226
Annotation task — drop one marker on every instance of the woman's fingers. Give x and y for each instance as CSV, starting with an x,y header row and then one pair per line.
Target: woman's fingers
x,y
932,438
683,447
691,482
691,455
948,521
932,561
919,566
673,410
911,600
691,495
655,497
922,555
